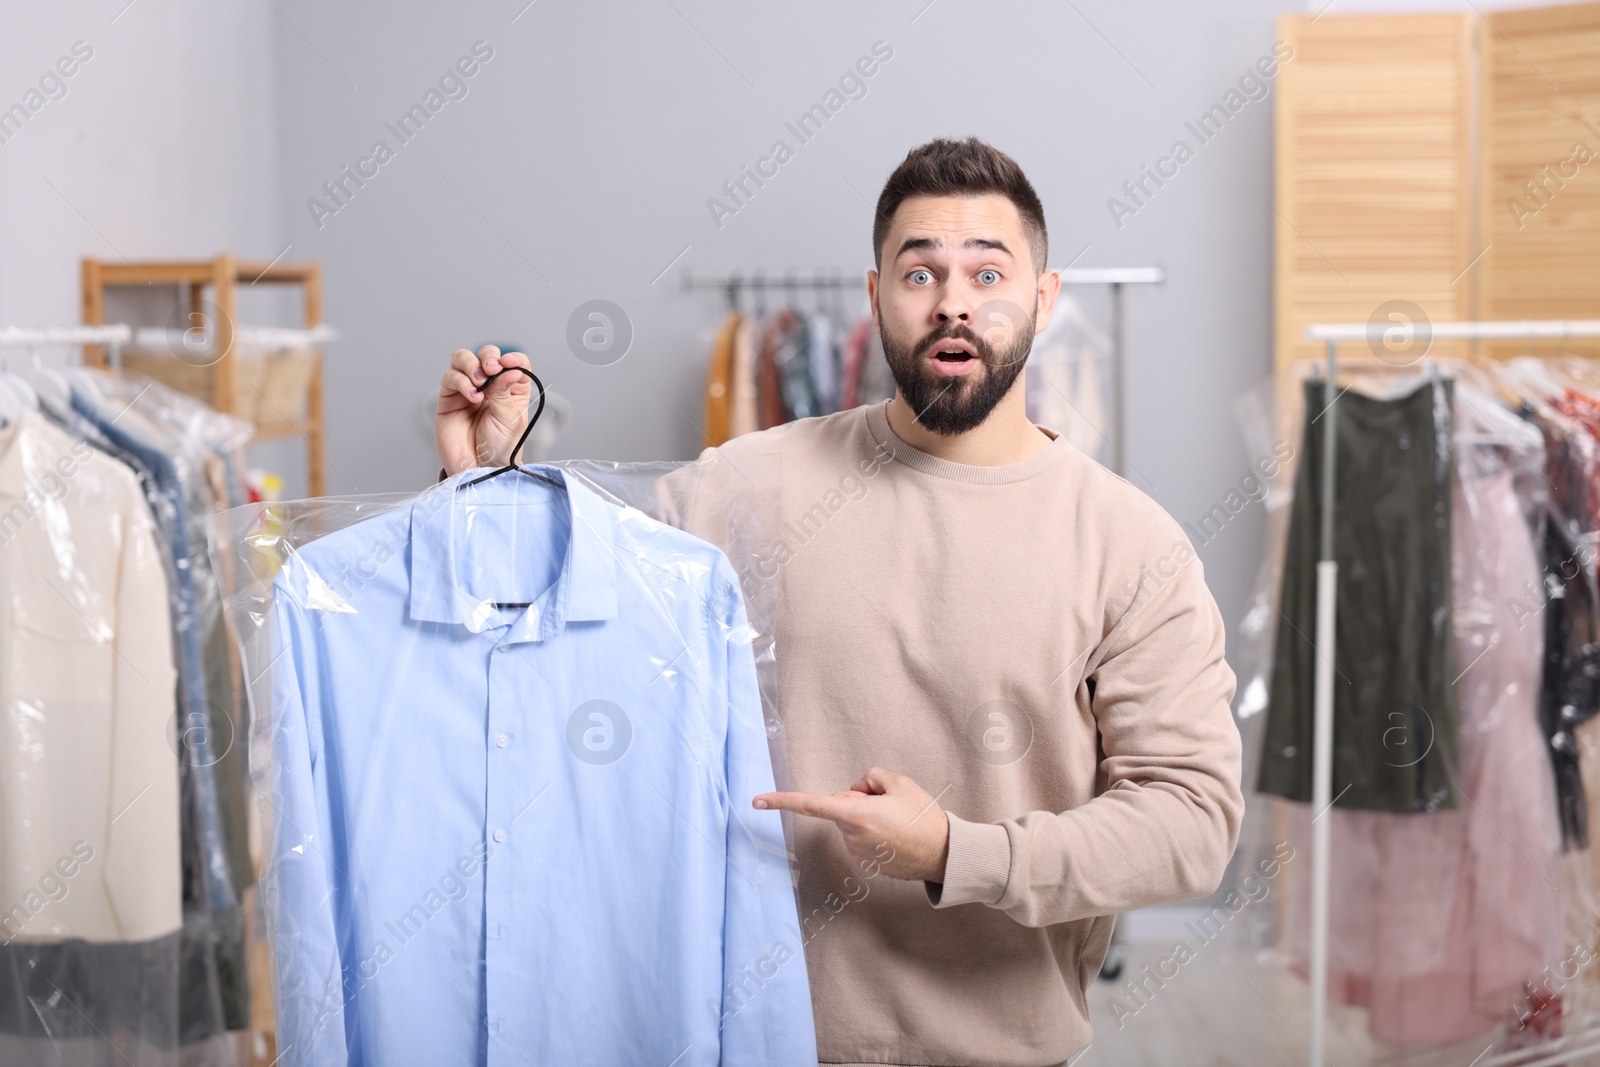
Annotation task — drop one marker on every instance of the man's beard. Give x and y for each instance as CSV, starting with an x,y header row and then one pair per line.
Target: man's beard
x,y
950,405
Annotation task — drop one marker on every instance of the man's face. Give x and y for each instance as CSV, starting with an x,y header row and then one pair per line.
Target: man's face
x,y
956,306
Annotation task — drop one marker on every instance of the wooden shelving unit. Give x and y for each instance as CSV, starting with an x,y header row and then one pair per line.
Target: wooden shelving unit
x,y
224,275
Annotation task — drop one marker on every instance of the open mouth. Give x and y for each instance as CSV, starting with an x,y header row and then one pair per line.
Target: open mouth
x,y
952,357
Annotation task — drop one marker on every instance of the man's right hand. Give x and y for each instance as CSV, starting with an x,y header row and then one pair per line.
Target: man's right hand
x,y
474,430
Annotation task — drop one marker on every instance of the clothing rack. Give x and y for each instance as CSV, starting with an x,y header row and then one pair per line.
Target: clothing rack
x,y
1114,277
1327,616
113,337
262,336
146,482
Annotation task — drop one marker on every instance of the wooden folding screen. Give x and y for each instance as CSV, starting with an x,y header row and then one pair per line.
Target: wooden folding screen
x,y
1540,209
1373,182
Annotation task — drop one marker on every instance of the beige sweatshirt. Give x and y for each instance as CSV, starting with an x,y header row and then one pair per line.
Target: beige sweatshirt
x,y
1035,645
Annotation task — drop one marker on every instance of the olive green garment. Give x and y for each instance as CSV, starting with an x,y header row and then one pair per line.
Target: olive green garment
x,y
1396,723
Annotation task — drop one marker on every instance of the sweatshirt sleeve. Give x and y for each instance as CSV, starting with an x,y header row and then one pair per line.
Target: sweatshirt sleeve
x,y
1168,819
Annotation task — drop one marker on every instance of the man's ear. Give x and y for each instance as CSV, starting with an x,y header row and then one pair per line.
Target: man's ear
x,y
1048,290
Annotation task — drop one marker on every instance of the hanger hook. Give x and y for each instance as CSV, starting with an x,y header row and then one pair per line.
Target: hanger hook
x,y
537,411
511,463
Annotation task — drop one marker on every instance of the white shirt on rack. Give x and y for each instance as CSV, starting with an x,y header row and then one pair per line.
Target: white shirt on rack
x,y
89,831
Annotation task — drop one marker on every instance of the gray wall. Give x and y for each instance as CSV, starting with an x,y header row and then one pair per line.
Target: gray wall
x,y
163,145
580,161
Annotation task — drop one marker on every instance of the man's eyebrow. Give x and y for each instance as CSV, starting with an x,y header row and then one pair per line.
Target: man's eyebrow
x,y
918,244
921,244
990,243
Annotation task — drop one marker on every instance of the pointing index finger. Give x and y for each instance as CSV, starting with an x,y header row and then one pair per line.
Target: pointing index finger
x,y
817,805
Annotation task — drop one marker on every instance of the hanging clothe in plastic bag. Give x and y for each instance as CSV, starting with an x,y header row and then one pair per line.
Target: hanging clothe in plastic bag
x,y
1396,719
510,730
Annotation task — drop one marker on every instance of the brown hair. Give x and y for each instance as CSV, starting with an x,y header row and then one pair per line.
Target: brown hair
x,y
944,167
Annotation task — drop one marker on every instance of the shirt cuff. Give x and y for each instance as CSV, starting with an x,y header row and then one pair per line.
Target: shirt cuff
x,y
978,867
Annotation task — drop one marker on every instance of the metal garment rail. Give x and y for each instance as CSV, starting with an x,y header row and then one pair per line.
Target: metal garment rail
x,y
1114,277
1327,614
264,336
113,336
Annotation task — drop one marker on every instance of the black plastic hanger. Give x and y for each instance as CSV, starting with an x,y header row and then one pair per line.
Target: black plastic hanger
x,y
512,465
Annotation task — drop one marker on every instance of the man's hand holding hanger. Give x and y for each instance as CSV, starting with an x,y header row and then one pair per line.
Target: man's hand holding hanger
x,y
477,429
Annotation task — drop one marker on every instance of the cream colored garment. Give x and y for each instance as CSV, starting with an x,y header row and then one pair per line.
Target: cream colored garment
x,y
88,764
1064,389
1087,429
1049,388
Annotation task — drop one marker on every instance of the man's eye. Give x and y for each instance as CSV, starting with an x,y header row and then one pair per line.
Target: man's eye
x,y
920,277
989,277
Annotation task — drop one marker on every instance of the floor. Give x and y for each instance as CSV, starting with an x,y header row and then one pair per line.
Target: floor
x,y
1225,1007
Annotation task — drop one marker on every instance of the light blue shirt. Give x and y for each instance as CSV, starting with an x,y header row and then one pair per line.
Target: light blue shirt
x,y
523,835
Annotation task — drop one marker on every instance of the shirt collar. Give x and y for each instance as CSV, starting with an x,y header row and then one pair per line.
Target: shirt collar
x,y
584,591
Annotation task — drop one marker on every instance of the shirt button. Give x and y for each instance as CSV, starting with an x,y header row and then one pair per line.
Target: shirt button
x,y
499,835
502,741
503,648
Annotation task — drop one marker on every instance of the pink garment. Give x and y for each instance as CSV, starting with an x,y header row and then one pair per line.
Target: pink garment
x,y
1437,919
855,353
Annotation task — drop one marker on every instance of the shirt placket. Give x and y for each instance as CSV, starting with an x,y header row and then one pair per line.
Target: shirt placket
x,y
512,784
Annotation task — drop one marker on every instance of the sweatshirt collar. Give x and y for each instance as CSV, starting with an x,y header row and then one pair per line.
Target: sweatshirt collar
x,y
878,424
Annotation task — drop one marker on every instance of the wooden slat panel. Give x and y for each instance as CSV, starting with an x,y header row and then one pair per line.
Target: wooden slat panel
x,y
1542,19
1373,177
1541,101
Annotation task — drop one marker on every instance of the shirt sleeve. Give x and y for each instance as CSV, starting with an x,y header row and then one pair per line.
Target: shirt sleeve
x,y
142,866
303,892
1167,821
766,1007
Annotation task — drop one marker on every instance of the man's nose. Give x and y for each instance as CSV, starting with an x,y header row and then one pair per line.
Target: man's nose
x,y
954,307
